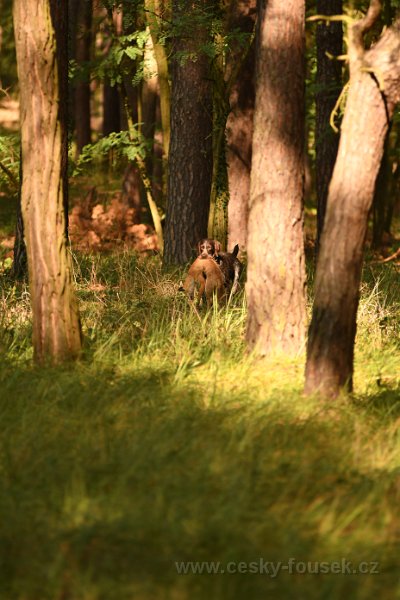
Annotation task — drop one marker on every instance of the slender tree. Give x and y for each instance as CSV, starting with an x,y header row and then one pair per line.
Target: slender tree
x,y
56,327
156,10
373,94
383,198
190,152
329,39
239,129
276,265
82,86
20,266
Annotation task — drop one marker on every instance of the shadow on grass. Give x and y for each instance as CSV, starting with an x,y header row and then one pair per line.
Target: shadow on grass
x,y
110,478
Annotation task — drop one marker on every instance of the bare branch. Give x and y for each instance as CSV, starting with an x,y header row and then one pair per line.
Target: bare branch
x,y
9,174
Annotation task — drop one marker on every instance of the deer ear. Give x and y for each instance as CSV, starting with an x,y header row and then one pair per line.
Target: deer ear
x,y
217,247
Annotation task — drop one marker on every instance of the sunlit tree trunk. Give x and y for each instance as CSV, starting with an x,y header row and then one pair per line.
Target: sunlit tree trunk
x,y
156,11
373,93
190,153
329,39
56,327
276,265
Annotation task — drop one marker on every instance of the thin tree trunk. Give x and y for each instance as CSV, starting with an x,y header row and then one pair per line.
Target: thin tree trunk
x,y
382,200
239,129
111,109
190,156
276,264
56,327
329,39
82,87
19,270
155,9
148,103
373,93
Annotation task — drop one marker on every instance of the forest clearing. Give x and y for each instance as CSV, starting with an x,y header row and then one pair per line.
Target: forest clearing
x,y
158,447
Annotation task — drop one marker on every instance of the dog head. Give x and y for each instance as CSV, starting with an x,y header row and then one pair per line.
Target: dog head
x,y
208,248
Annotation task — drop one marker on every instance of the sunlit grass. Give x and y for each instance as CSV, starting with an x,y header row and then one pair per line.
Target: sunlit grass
x,y
168,442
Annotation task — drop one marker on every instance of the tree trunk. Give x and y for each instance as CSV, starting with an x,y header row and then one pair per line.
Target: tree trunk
x,y
111,109
382,204
382,208
82,87
190,155
276,265
239,129
148,104
56,327
155,10
19,270
329,39
373,93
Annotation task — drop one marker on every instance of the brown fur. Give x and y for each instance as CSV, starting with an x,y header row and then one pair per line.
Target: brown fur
x,y
228,262
206,277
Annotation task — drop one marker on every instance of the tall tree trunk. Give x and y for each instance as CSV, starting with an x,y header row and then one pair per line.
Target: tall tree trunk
x,y
190,156
383,201
60,25
155,12
82,87
373,93
239,130
56,327
276,264
111,109
329,82
20,267
148,103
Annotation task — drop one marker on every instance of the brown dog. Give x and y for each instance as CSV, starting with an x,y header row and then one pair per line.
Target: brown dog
x,y
231,268
228,262
206,277
208,248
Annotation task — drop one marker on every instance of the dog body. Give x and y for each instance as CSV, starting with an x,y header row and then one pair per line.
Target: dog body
x,y
207,278
231,268
228,262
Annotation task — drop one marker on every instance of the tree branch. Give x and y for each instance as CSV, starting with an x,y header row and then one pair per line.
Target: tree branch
x,y
9,174
360,28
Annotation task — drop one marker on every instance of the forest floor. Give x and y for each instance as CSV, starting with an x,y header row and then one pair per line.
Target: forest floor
x,y
167,444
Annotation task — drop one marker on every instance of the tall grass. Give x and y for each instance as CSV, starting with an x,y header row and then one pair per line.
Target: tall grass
x,y
168,443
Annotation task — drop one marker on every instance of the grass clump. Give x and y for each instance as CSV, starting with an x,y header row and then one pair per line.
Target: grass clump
x,y
167,443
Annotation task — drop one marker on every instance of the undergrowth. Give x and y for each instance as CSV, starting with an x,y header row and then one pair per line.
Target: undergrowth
x,y
168,443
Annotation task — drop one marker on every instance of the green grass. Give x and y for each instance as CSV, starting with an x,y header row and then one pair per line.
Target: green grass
x,y
166,443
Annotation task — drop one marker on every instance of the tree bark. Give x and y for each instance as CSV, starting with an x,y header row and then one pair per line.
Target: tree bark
x,y
239,130
20,267
190,154
56,326
373,93
111,109
155,10
276,264
82,86
329,39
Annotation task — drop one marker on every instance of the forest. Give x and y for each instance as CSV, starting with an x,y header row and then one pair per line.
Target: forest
x,y
199,299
